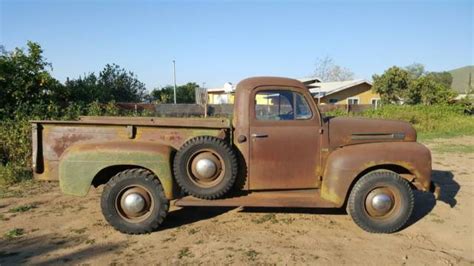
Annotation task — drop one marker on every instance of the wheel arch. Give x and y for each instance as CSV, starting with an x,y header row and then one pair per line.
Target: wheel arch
x,y
345,166
400,170
94,164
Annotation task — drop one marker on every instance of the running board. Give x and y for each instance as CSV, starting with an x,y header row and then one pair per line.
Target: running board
x,y
308,198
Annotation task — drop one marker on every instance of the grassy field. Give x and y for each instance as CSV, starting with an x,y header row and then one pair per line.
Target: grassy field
x,y
431,122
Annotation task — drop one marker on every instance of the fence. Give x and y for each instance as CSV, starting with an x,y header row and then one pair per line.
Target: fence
x,y
218,110
349,108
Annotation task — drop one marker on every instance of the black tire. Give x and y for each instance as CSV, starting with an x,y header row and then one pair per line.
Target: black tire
x,y
383,183
144,183
210,187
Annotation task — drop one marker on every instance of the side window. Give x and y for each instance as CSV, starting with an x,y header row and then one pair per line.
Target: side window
x,y
281,105
303,111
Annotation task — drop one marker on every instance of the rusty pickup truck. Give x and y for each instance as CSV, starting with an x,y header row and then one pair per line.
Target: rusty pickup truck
x,y
276,151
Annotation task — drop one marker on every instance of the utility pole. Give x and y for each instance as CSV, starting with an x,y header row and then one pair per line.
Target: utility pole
x,y
174,75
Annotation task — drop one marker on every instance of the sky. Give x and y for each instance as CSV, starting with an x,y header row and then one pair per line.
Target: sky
x,y
220,41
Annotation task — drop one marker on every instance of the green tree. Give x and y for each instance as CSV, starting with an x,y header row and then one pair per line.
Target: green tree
x,y
427,90
119,85
26,86
444,78
415,70
184,94
112,84
392,85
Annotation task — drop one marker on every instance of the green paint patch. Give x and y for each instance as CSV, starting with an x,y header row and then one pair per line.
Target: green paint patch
x,y
454,148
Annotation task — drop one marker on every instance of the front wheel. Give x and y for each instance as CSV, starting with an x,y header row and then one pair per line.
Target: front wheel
x,y
134,202
381,202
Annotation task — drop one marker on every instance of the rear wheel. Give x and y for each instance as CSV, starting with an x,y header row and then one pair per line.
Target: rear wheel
x,y
133,202
381,202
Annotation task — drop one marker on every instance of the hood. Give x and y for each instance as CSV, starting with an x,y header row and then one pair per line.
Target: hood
x,y
347,131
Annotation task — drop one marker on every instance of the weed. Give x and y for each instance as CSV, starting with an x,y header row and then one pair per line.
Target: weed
x,y
23,208
14,233
169,239
185,252
90,241
289,220
3,218
251,254
193,231
79,231
265,218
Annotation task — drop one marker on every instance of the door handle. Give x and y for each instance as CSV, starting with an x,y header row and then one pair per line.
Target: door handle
x,y
259,136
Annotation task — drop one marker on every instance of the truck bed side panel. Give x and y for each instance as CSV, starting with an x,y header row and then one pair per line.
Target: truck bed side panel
x,y
50,140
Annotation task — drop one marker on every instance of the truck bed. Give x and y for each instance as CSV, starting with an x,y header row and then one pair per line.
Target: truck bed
x,y
51,139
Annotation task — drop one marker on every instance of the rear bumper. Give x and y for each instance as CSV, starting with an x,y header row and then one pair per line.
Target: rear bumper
x,y
435,189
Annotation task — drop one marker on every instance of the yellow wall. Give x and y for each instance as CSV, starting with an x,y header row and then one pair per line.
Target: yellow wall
x,y
214,98
362,91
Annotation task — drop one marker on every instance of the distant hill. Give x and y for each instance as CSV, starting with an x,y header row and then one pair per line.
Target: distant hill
x,y
462,77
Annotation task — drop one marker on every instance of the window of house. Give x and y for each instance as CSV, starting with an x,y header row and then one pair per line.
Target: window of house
x,y
281,105
375,102
352,101
333,101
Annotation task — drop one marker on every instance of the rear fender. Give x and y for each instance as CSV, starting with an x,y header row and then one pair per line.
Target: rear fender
x,y
80,163
345,165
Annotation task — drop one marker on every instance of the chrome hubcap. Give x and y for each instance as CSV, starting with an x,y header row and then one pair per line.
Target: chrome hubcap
x,y
206,168
382,203
133,203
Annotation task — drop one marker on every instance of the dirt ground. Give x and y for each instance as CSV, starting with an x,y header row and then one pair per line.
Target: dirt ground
x,y
55,229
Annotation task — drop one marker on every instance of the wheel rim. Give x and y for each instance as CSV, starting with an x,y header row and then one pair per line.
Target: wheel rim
x,y
382,202
134,203
206,168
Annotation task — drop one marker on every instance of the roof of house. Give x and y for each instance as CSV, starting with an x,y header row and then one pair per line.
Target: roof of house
x,y
321,89
316,86
309,80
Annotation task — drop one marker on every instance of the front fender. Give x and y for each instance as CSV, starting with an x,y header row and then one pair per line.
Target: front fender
x,y
80,163
345,164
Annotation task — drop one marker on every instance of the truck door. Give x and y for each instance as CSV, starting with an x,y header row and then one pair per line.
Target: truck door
x,y
284,140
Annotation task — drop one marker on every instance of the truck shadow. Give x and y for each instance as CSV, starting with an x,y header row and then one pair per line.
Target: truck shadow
x,y
189,215
425,201
38,250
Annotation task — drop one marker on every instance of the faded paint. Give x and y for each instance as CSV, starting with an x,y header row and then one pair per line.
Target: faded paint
x,y
82,162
